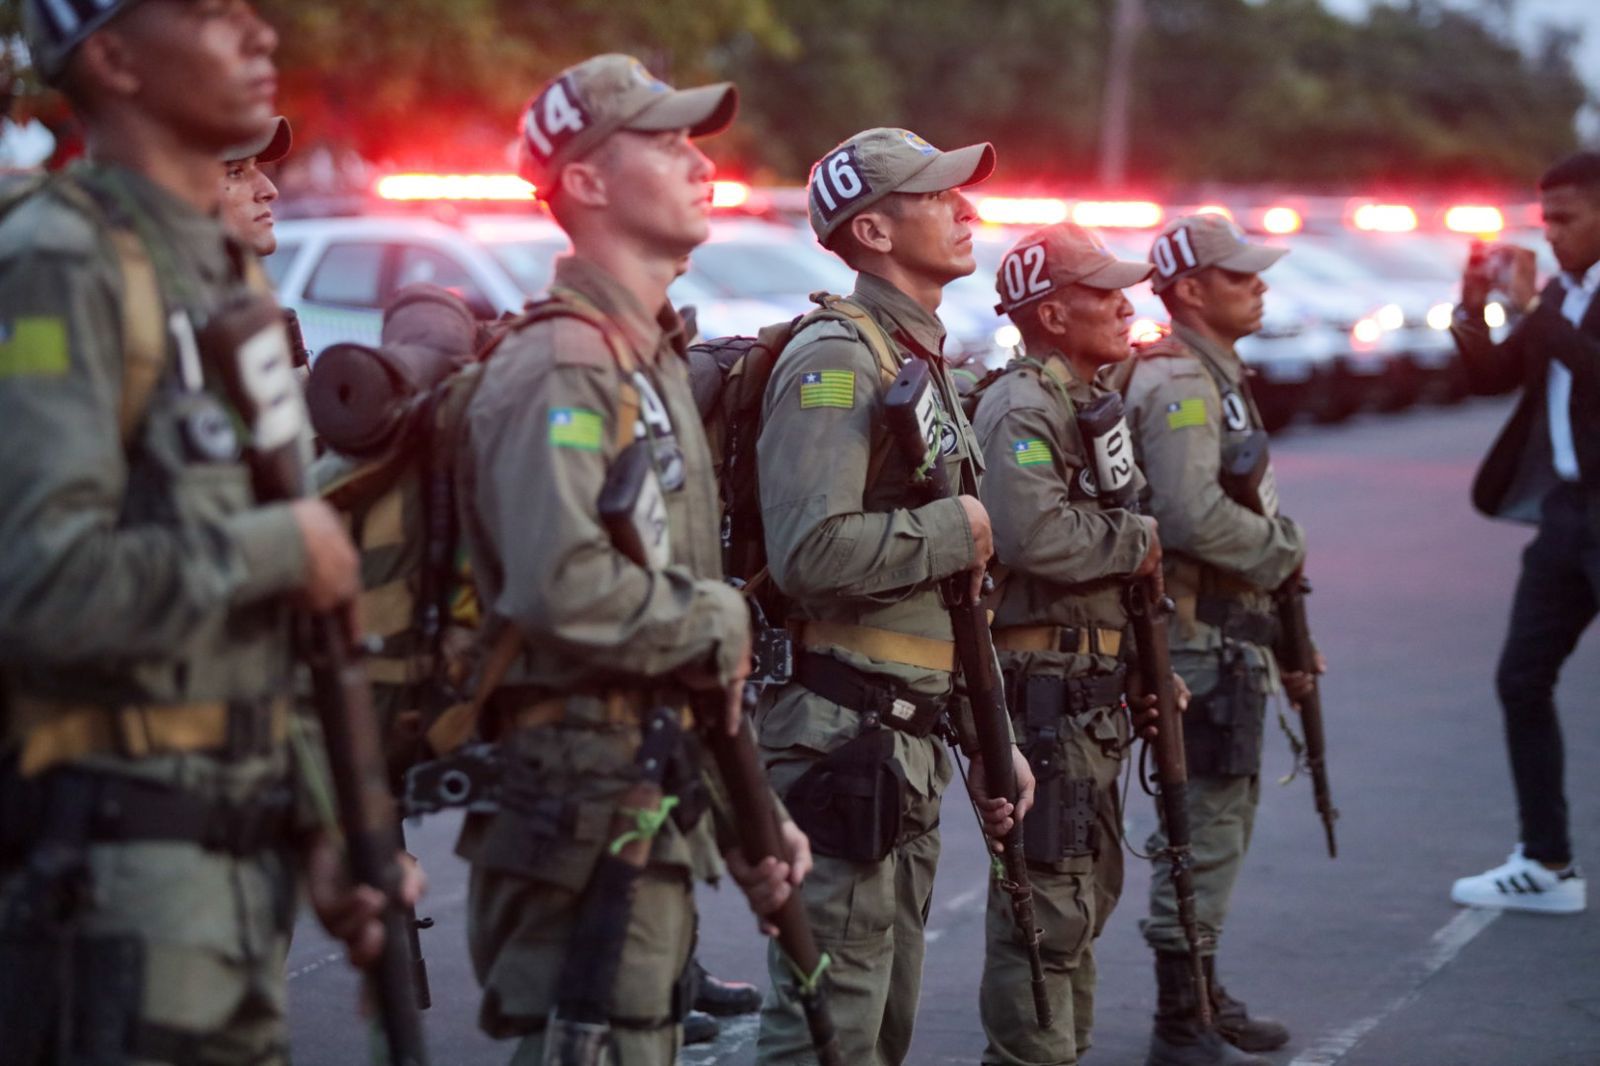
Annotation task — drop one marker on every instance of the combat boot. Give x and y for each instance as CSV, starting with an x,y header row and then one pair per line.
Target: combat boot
x,y
1179,1039
700,1028
1234,1021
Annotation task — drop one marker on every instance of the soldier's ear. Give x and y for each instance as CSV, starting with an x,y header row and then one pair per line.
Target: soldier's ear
x,y
1052,314
871,231
583,184
1189,292
105,66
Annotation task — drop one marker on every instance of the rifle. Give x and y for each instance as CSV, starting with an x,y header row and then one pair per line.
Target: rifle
x,y
246,341
912,409
634,514
1106,436
414,927
1296,653
1246,479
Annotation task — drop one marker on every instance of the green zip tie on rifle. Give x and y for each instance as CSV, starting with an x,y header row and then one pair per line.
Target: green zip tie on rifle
x,y
809,985
646,824
997,867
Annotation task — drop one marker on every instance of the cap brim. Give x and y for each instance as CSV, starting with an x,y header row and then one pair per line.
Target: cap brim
x,y
268,148
952,170
1117,274
703,111
1251,259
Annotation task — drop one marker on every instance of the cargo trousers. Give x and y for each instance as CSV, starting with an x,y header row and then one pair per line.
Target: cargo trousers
x,y
1072,898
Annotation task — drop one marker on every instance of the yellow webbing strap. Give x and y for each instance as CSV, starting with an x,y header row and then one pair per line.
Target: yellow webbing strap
x,y
459,723
144,331
55,732
884,645
1048,638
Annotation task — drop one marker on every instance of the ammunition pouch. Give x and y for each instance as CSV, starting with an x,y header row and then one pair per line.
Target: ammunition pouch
x,y
1222,730
1237,622
1062,823
878,700
851,802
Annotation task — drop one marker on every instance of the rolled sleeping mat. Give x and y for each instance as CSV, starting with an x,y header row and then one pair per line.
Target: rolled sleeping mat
x,y
361,398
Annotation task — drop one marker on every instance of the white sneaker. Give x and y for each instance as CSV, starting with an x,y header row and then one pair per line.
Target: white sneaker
x,y
1523,885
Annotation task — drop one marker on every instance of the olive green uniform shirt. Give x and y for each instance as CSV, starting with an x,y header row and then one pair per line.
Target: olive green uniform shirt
x,y
843,550
1067,558
1186,404
541,433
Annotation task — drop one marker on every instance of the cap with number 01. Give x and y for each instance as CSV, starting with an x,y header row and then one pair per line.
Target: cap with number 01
x,y
1056,256
1191,243
585,104
874,163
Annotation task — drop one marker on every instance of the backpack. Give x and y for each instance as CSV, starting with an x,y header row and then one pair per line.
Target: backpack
x,y
730,384
394,416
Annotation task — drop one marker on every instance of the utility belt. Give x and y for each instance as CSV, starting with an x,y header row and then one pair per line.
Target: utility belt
x,y
515,707
1072,640
879,700
53,732
111,809
1236,621
884,645
1040,701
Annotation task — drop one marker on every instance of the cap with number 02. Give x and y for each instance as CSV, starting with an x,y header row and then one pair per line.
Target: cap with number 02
x,y
874,163
1191,243
1056,256
585,104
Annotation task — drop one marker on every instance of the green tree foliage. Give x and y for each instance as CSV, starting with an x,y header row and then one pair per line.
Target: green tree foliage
x,y
1224,90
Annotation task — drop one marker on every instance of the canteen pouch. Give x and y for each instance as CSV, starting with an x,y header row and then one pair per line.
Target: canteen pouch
x,y
850,803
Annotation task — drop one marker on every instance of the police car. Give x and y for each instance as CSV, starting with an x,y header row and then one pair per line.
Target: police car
x,y
339,272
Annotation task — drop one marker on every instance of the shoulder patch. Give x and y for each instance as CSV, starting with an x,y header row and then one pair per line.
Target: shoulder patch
x,y
1031,452
1187,413
577,428
827,388
33,346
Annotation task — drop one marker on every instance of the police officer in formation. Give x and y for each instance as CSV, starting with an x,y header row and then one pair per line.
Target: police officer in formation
x,y
156,805
860,560
1059,625
1225,552
153,820
598,636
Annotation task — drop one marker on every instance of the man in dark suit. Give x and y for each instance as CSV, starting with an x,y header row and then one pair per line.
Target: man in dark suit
x,y
1543,469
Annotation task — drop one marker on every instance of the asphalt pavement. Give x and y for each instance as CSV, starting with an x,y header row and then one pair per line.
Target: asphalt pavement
x,y
1364,958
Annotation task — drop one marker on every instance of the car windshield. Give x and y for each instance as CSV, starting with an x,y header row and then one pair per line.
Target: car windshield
x,y
531,263
758,269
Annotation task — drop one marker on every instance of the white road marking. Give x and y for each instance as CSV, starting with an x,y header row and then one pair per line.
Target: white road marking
x,y
315,965
1446,944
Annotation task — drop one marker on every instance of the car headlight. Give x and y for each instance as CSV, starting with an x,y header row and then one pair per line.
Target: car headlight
x,y
1391,317
1439,316
1007,336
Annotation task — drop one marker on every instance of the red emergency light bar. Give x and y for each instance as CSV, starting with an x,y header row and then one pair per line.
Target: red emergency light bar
x,y
1384,218
1478,219
453,187
729,194
1117,214
1022,210
1281,221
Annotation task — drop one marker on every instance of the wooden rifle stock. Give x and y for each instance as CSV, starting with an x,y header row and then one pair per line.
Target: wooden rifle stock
x,y
913,415
1106,438
246,342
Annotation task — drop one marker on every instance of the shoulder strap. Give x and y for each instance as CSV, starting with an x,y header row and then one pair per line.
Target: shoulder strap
x,y
144,333
569,303
838,307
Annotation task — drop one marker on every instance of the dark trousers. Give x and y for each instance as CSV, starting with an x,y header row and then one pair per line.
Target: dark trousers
x,y
1557,596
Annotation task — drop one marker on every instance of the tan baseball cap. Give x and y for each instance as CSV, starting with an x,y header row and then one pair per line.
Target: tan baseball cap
x,y
271,146
1191,243
585,104
869,166
1053,257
